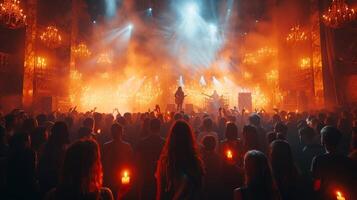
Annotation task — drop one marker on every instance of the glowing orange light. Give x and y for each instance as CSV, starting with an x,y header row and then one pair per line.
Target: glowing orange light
x,y
273,75
338,14
41,62
99,131
125,179
75,75
305,63
104,58
259,55
260,100
11,14
51,37
247,75
81,50
296,34
339,195
229,154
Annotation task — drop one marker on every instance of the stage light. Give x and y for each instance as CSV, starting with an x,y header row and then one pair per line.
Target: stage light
x,y
216,82
94,22
130,27
150,9
181,81
212,29
201,39
203,81
110,8
191,9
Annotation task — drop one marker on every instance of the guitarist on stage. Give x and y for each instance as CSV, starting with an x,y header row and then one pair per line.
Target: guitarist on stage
x,y
179,97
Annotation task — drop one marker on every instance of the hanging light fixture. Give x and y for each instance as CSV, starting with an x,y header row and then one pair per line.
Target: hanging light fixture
x,y
41,62
296,35
338,14
11,14
104,59
51,37
305,63
81,50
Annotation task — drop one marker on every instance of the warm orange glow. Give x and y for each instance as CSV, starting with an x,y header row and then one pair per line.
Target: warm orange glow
x,y
296,34
51,37
339,195
260,100
104,58
273,75
305,63
99,131
338,14
229,154
81,51
41,62
75,75
125,179
259,55
247,75
11,14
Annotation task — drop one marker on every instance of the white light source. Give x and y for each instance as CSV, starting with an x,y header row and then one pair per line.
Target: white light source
x,y
150,9
203,81
212,29
130,27
181,81
192,9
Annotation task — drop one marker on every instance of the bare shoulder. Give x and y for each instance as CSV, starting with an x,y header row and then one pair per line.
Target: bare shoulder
x,y
106,194
237,194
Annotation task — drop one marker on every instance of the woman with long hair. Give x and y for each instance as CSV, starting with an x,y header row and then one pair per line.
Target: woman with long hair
x,y
284,169
81,176
260,184
232,143
180,169
52,157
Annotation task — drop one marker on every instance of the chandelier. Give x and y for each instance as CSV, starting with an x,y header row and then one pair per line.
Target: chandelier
x,y
81,51
305,63
51,37
41,62
272,76
296,34
338,14
259,55
11,14
104,59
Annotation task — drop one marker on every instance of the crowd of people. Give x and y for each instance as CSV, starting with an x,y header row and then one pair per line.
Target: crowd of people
x,y
176,155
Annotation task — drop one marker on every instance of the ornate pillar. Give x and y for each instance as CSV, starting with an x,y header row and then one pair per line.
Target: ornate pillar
x,y
74,34
30,53
316,61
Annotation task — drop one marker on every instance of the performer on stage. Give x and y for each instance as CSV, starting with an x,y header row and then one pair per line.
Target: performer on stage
x,y
179,98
